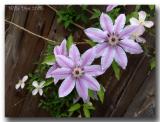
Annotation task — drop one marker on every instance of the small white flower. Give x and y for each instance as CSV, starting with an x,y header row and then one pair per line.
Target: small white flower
x,y
141,21
137,35
38,87
21,82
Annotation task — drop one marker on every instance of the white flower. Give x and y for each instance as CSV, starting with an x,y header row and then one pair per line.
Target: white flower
x,y
38,87
137,35
21,82
141,21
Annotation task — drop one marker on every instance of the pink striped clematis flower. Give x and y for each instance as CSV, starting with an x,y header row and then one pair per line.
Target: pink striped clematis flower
x,y
58,50
114,40
78,72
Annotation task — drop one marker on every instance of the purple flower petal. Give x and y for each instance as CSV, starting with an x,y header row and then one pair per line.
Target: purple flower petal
x,y
82,89
91,82
93,70
100,49
131,46
110,7
128,30
120,57
63,61
134,21
88,57
61,73
66,86
57,50
106,23
107,58
96,34
119,23
74,54
63,47
51,69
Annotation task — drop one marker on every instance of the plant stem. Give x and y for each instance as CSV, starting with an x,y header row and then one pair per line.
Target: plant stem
x,y
75,24
32,33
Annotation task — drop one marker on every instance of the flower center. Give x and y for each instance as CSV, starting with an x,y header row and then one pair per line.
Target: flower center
x,y
113,39
77,72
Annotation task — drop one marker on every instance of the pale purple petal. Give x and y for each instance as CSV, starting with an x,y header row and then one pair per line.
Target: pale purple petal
x,y
140,30
96,34
100,49
61,73
88,57
74,54
110,7
142,15
107,57
131,46
119,23
66,86
63,61
134,21
40,92
82,89
128,30
106,23
25,78
35,91
63,47
120,57
93,70
57,50
51,69
148,24
91,82
140,40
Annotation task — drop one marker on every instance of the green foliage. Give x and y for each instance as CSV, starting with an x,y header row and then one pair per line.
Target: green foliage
x,y
96,14
49,59
101,94
90,42
69,41
116,70
114,13
69,14
74,107
153,63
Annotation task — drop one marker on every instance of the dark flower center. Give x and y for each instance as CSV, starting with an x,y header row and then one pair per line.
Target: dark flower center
x,y
112,39
77,72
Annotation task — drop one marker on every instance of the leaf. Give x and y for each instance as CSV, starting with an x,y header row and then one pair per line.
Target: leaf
x,y
74,107
49,59
151,7
91,94
86,112
96,14
48,82
69,41
101,94
91,43
153,63
89,105
116,70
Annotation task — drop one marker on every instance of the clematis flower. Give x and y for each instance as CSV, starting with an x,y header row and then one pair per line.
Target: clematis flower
x,y
137,35
77,72
21,82
141,21
58,50
38,87
113,41
110,7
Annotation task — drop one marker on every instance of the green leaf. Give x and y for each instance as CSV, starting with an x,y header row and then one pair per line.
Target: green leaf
x,y
91,94
86,112
96,14
91,43
49,82
151,7
49,59
101,94
116,70
74,107
89,105
153,63
69,41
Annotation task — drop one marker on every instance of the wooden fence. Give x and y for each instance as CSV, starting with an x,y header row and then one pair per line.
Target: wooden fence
x,y
131,96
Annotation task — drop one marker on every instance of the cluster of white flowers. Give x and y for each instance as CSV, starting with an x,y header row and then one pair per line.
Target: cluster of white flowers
x,y
38,86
